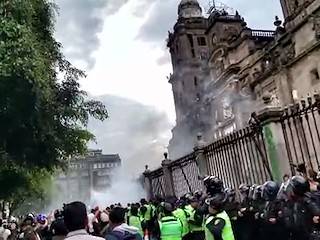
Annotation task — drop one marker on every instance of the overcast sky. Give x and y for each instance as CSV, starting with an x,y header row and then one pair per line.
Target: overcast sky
x,y
121,43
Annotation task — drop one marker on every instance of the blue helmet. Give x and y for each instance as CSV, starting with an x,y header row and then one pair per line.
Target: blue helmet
x,y
41,218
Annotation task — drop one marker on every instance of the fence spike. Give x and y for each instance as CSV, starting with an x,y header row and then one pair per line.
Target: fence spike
x,y
303,104
309,99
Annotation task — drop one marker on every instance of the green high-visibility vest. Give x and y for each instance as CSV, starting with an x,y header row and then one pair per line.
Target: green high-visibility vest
x,y
149,212
170,228
182,215
193,227
135,221
227,232
189,208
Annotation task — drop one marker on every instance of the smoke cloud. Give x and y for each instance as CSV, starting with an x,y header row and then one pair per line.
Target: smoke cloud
x,y
124,189
78,24
139,133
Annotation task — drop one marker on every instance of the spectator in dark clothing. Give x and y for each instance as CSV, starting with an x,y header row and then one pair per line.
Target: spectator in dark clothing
x,y
76,221
58,228
119,229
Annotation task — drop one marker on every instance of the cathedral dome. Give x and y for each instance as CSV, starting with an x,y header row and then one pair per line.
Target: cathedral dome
x,y
189,9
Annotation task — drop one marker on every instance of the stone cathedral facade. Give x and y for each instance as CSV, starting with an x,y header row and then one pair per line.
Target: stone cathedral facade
x,y
223,69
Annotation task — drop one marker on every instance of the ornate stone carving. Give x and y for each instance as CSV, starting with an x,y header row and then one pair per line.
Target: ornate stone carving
x,y
227,110
230,34
270,99
316,25
256,73
287,54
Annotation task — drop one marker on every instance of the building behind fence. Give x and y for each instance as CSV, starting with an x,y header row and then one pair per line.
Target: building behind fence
x,y
274,143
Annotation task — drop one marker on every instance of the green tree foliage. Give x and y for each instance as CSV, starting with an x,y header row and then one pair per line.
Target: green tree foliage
x,y
43,112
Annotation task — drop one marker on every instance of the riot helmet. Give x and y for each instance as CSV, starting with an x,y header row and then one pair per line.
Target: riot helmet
x,y
244,190
298,185
270,191
166,207
214,185
231,194
217,201
251,190
257,195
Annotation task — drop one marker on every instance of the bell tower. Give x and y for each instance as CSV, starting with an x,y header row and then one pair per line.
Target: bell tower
x,y
188,46
189,50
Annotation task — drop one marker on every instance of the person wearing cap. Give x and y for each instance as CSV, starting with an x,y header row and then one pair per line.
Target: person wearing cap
x,y
218,225
170,226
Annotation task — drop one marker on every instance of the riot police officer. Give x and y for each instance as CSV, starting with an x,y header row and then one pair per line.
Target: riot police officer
x,y
218,224
195,220
273,225
213,185
257,204
134,219
244,230
231,205
302,214
170,226
182,214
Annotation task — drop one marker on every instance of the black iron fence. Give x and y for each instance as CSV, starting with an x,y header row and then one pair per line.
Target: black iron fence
x,y
301,124
157,182
246,156
185,174
239,158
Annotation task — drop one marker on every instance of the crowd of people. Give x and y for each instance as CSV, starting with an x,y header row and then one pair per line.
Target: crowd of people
x,y
287,211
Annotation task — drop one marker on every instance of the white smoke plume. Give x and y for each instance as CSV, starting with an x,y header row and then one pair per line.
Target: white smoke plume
x,y
138,133
124,189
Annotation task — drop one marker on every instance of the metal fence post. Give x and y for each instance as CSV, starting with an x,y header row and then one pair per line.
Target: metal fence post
x,y
147,183
168,180
200,157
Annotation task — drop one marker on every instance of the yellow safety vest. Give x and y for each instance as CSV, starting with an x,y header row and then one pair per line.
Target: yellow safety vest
x,y
170,228
182,215
135,221
227,232
193,227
